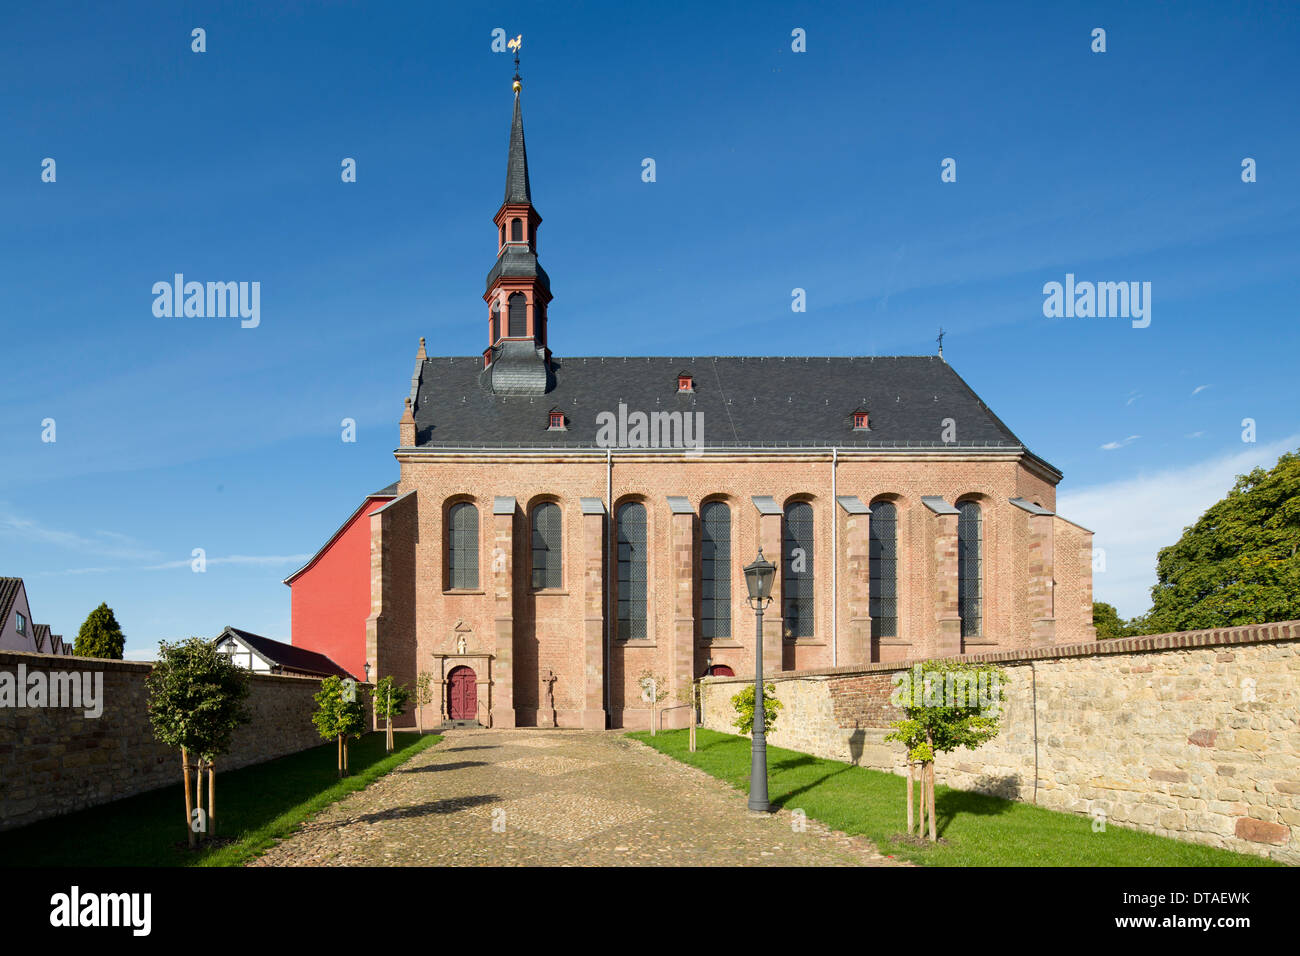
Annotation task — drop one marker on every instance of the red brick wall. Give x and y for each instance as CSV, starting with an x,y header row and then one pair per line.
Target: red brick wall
x,y
548,628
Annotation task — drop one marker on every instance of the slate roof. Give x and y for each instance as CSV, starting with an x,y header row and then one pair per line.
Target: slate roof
x,y
517,162
9,588
518,261
41,638
745,401
290,658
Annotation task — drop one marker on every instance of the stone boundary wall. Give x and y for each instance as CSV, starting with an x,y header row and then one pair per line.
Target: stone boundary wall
x,y
56,760
1193,735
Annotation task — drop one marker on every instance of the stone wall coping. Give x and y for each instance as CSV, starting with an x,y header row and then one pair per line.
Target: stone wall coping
x,y
1178,640
66,662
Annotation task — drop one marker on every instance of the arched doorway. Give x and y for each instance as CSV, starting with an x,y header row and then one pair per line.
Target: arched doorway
x,y
721,670
462,694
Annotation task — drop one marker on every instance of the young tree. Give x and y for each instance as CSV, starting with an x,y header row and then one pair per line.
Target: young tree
x,y
744,704
947,705
423,697
100,635
390,701
340,714
653,690
196,700
1240,562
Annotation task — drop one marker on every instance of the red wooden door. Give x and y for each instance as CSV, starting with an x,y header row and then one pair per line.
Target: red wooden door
x,y
463,694
721,670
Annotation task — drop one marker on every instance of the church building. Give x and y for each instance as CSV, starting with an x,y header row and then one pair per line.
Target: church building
x,y
564,525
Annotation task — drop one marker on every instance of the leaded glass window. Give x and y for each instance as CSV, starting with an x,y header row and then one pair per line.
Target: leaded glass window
x,y
884,569
547,542
715,570
632,570
797,570
462,546
970,560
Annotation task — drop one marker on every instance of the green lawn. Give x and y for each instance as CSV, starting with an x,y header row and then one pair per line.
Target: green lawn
x,y
980,830
257,805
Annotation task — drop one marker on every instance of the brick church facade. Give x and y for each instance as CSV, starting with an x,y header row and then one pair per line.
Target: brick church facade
x,y
562,526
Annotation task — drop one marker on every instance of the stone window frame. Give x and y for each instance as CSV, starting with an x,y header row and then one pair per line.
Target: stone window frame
x,y
981,502
533,506
901,511
732,582
816,614
451,504
649,638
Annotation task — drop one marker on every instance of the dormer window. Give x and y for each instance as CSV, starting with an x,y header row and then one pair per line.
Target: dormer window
x,y
22,623
685,382
860,421
556,422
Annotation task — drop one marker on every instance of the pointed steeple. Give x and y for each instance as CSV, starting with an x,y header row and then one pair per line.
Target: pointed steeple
x,y
517,162
517,359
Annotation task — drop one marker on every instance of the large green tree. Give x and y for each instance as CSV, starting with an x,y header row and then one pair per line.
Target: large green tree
x,y
1109,624
100,635
1240,563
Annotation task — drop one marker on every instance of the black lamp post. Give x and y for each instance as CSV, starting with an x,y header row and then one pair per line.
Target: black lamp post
x,y
758,578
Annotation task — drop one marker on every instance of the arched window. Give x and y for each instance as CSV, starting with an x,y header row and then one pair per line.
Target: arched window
x,y
715,570
516,230
462,546
518,315
797,570
496,325
970,561
503,234
547,543
631,572
884,569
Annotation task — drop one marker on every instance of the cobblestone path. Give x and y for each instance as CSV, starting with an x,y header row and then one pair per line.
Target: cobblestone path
x,y
556,798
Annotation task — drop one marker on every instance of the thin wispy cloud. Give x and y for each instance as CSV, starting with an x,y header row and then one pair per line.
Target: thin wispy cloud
x,y
1132,397
247,560
1112,445
255,560
1199,388
1196,434
120,547
1133,518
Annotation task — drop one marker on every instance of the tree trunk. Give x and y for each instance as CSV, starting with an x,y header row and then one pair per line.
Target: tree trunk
x,y
930,791
920,824
212,800
419,718
340,742
198,800
345,755
389,740
189,802
911,797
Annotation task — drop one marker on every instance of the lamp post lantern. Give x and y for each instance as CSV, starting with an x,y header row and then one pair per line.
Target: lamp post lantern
x,y
758,579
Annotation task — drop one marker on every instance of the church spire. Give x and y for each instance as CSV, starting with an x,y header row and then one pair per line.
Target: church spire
x,y
517,358
517,160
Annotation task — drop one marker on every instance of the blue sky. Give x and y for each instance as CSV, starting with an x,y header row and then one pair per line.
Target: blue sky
x,y
775,170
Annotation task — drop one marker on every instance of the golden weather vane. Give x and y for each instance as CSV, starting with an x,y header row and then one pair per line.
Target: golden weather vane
x,y
516,44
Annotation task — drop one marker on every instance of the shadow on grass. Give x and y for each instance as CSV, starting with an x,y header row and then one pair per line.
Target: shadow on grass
x,y
148,829
948,804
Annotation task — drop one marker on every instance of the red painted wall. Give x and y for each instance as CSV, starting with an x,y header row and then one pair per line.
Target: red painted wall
x,y
330,600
